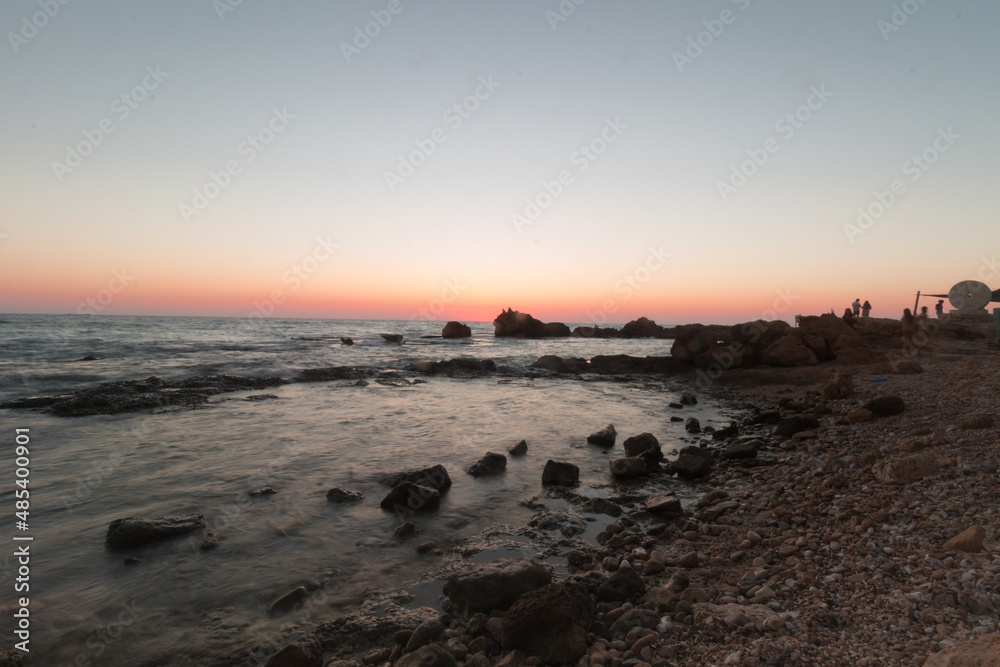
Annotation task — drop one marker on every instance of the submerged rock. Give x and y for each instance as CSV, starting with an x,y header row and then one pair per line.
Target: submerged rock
x,y
560,473
336,495
491,464
435,477
605,437
305,653
132,532
289,601
494,585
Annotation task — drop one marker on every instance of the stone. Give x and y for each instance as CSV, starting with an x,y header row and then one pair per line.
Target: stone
x,y
692,425
605,437
426,547
495,585
634,618
632,466
885,406
977,422
408,497
753,613
424,634
514,324
905,469
560,473
405,529
692,466
520,449
687,398
550,623
289,601
689,560
692,340
984,651
623,585
839,387
435,477
643,328
344,496
789,426
456,330
263,491
431,655
305,653
645,445
739,450
132,532
969,540
491,464
664,503
788,351
860,416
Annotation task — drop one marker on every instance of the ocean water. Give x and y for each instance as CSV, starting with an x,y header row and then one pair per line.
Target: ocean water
x,y
182,606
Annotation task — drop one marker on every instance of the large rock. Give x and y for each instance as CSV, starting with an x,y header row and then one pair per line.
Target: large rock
x,y
495,585
551,362
491,464
885,406
643,328
432,655
136,531
424,634
692,340
826,334
407,497
622,586
788,351
644,445
605,437
550,623
435,477
690,465
632,466
305,653
596,332
513,324
969,540
983,651
750,338
520,449
905,469
456,330
559,473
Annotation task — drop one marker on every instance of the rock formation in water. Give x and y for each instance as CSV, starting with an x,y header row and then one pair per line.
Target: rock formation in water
x,y
514,324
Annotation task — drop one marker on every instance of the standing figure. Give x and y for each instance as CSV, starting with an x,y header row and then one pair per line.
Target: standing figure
x,y
856,307
939,308
909,323
865,309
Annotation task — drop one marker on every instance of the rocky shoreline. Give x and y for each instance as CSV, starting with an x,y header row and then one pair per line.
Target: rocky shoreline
x,y
850,517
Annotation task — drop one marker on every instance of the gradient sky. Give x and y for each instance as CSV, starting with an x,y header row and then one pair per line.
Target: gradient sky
x,y
643,228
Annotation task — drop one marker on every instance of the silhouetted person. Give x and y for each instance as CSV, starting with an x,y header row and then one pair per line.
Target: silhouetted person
x,y
939,308
909,323
849,318
865,309
856,306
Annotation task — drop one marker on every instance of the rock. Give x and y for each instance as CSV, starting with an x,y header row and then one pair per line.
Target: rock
x,y
605,437
263,491
632,466
753,613
645,445
132,532
692,425
289,601
983,651
495,585
977,422
903,367
692,340
407,497
885,406
839,387
405,529
692,466
689,560
456,330
551,362
789,426
426,547
455,367
346,341
634,618
623,585
601,506
560,473
344,496
431,655
663,504
687,398
969,540
424,634
392,338
477,660
905,469
491,464
550,623
435,477
860,416
753,337
305,653
788,351
643,328
596,332
513,324
730,431
739,450
520,449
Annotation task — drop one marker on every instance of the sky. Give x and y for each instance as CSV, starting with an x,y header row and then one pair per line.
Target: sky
x,y
584,161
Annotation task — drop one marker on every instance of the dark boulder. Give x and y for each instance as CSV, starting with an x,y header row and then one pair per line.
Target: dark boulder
x,y
622,586
692,340
520,449
344,496
789,426
435,477
289,601
456,330
560,473
513,324
885,406
134,531
409,497
491,464
494,585
692,425
596,332
431,655
455,367
550,623
645,445
643,328
605,437
690,465
305,653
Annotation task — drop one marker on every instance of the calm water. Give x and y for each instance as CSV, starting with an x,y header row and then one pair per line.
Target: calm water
x,y
186,607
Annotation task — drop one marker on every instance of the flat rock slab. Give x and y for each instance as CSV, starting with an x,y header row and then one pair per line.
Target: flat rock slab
x,y
495,585
135,531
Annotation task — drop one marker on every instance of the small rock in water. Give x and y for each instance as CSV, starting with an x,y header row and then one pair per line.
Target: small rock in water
x,y
687,398
306,653
692,425
405,529
135,531
263,491
491,464
632,466
209,542
426,546
289,601
343,495
520,449
132,560
560,473
605,437
410,497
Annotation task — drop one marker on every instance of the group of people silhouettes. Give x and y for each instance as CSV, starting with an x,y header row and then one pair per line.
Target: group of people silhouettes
x,y
856,311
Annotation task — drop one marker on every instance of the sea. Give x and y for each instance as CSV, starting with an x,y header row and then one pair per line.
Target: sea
x,y
174,604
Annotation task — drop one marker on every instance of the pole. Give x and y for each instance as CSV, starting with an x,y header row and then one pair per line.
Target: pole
x,y
916,303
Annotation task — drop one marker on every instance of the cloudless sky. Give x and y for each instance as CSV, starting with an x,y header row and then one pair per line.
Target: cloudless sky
x,y
687,161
